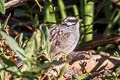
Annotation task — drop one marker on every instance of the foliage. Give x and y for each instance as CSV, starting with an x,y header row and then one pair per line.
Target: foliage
x,y
2,7
32,44
29,56
83,76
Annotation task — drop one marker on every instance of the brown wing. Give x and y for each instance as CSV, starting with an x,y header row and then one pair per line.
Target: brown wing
x,y
55,37
58,38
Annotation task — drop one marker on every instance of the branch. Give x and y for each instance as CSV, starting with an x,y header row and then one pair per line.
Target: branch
x,y
100,42
12,3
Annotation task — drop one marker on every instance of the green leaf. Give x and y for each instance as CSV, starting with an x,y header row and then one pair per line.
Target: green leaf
x,y
6,21
14,45
41,67
83,76
35,22
45,42
62,70
0,25
2,76
6,60
43,38
2,6
118,70
33,45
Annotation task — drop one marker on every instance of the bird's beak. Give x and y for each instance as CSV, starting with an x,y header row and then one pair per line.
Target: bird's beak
x,y
80,20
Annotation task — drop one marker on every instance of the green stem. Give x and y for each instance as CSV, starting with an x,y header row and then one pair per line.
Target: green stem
x,y
89,17
75,9
62,9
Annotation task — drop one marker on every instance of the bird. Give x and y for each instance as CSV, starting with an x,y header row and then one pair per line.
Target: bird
x,y
65,35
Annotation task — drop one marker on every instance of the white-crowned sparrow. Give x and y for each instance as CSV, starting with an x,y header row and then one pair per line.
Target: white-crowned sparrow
x,y
64,36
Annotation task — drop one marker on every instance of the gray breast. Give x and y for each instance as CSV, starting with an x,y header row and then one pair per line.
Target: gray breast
x,y
63,39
